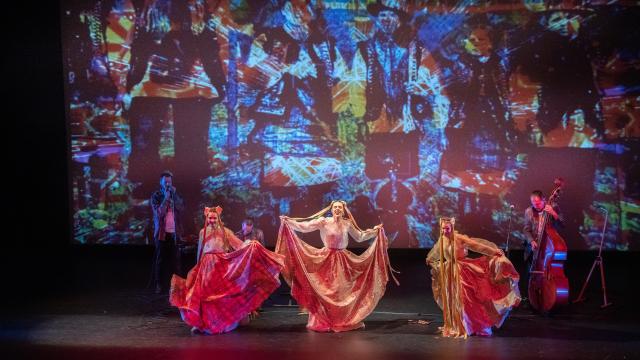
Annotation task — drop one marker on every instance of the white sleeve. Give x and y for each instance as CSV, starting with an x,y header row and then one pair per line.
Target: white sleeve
x,y
305,226
360,236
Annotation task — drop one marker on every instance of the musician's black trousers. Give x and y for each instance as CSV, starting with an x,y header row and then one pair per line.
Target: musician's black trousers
x,y
167,262
524,275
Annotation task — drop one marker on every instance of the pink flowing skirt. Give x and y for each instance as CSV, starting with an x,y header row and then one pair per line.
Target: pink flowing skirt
x,y
338,288
223,288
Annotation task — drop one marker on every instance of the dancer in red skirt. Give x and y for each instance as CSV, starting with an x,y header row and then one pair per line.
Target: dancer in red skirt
x,y
336,287
230,280
475,294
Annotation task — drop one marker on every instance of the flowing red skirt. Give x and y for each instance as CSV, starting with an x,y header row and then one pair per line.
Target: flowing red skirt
x,y
338,288
488,291
223,288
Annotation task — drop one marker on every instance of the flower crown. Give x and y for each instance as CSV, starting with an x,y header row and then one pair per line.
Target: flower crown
x,y
217,210
444,220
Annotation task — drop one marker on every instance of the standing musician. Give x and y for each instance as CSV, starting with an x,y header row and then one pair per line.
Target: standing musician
x,y
532,217
167,207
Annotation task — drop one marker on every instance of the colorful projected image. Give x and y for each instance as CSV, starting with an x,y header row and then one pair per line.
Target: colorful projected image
x,y
407,110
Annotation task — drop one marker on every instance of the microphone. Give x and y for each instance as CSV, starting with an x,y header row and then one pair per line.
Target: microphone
x,y
170,192
506,248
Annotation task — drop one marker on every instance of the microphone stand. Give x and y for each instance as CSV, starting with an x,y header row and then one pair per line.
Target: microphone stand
x,y
597,262
506,248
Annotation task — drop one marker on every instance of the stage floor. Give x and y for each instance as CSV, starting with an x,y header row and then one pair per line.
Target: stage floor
x,y
135,323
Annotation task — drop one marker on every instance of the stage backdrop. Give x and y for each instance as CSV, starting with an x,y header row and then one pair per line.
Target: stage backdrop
x,y
408,111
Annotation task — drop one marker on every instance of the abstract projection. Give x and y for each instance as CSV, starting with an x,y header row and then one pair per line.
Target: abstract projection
x,y
408,111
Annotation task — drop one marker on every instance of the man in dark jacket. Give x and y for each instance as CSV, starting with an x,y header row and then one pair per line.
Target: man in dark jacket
x,y
167,206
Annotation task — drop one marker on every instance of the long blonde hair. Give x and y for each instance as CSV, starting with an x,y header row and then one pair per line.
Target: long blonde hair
x,y
449,277
353,222
347,214
217,210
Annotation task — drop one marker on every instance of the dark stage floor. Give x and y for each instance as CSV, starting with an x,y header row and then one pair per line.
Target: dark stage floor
x,y
121,320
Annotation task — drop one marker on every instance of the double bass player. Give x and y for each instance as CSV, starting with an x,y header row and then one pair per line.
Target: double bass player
x,y
533,228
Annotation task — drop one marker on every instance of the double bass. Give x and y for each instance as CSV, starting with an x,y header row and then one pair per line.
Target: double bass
x,y
548,285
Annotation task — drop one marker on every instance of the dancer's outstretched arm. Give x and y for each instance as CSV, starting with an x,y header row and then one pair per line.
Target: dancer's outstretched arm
x,y
304,226
479,247
363,235
234,242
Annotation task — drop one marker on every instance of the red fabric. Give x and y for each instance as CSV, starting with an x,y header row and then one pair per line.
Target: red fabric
x,y
489,289
338,288
223,288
